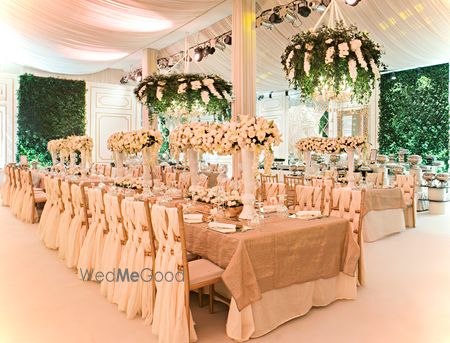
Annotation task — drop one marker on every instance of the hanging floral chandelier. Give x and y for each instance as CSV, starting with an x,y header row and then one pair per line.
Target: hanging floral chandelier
x,y
182,95
332,61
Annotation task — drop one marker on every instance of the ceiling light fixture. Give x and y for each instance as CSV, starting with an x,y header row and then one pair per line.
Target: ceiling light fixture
x,y
198,54
393,77
219,45
275,17
292,18
304,10
352,2
227,40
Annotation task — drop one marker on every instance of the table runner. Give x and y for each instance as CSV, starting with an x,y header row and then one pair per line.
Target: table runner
x,y
383,199
279,253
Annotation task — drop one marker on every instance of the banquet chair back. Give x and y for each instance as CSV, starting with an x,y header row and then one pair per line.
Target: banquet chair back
x,y
184,181
7,186
291,183
203,180
108,170
327,184
33,196
274,193
376,179
407,184
268,178
309,198
171,257
170,178
349,204
16,205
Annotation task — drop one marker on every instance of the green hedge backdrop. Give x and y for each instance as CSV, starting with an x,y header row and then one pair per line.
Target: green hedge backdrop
x,y
414,111
49,108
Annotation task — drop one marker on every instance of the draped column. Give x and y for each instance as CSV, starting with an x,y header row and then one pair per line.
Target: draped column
x,y
149,57
243,62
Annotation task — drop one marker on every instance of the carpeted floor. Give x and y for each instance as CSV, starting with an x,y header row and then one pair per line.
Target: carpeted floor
x,y
407,297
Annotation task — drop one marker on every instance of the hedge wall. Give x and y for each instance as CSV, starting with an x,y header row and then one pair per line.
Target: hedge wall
x,y
414,111
49,108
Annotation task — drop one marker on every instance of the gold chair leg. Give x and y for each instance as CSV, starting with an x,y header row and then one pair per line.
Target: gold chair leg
x,y
200,297
211,299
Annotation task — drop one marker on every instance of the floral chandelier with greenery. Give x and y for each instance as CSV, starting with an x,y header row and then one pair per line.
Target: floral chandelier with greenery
x,y
184,95
330,61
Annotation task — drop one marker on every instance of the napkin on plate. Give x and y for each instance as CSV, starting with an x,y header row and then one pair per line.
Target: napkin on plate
x,y
269,208
222,227
307,214
193,218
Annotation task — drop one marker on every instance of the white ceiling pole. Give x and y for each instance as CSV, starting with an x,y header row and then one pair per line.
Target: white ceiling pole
x,y
149,66
243,64
243,60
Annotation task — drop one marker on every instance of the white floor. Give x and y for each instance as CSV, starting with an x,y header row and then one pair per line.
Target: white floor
x,y
407,297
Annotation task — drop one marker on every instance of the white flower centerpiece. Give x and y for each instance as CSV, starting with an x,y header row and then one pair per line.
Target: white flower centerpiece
x,y
254,135
84,145
55,146
116,144
193,138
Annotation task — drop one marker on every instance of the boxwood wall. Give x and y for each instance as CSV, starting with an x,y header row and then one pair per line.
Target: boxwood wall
x,y
414,111
49,108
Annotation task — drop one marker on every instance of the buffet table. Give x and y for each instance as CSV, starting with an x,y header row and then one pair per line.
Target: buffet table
x,y
383,213
279,270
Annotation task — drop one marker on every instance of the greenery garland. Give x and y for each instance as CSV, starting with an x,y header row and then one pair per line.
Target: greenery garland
x,y
330,61
49,108
414,112
185,94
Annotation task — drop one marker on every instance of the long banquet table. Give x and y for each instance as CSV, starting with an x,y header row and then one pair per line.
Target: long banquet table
x,y
279,270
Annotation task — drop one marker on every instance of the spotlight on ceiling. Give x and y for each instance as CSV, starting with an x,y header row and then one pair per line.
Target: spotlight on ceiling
x,y
352,2
198,54
304,10
124,79
210,50
393,77
292,18
219,45
275,17
319,6
227,40
187,58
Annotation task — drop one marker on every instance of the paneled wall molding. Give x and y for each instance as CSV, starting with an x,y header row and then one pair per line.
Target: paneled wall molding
x,y
8,123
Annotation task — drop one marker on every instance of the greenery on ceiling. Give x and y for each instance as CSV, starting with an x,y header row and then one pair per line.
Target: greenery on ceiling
x,y
333,60
414,111
49,108
185,95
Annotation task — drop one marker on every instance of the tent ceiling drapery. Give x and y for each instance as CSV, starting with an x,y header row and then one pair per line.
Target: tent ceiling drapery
x,y
85,36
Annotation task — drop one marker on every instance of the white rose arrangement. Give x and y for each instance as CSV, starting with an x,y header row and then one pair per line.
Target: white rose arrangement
x,y
128,182
132,142
215,196
330,145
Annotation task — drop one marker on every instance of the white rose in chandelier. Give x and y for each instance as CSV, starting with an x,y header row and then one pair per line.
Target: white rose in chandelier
x,y
352,69
159,93
205,96
289,58
355,45
343,49
375,69
329,55
196,85
306,63
182,88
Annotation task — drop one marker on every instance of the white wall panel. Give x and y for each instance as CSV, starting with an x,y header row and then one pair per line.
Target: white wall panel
x,y
8,123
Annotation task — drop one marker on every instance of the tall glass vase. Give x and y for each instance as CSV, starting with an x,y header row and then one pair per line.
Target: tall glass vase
x,y
148,159
54,158
307,160
248,198
192,156
73,159
350,166
119,157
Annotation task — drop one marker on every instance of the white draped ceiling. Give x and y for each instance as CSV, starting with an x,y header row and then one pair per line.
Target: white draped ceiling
x,y
86,36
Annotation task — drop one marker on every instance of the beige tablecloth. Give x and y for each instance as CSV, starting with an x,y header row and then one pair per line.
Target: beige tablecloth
x,y
383,199
280,253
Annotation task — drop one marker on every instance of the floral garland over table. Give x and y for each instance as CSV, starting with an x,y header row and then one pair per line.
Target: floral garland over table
x,y
333,60
183,93
330,145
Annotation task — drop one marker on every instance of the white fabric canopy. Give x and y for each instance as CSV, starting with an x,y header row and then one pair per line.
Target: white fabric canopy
x,y
86,36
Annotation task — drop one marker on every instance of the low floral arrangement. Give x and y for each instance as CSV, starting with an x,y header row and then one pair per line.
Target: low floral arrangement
x,y
80,143
330,145
215,196
129,182
329,61
167,93
133,142
55,145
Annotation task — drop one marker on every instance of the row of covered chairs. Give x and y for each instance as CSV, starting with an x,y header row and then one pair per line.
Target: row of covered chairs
x,y
95,231
19,193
